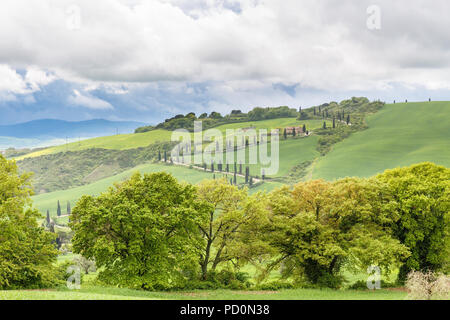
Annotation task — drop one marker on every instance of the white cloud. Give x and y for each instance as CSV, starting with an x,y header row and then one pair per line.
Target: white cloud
x,y
11,81
88,101
320,44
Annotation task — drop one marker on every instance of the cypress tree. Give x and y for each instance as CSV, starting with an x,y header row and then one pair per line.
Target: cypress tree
x,y
263,175
212,167
235,178
314,110
69,210
304,128
159,155
48,218
228,168
285,134
334,123
324,124
240,168
58,210
293,132
165,156
251,181
348,119
247,174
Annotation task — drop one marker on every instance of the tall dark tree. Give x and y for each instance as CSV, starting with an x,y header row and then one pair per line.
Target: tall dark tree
x,y
324,124
247,174
159,155
69,210
240,168
263,175
165,156
235,178
212,166
334,123
47,219
293,132
58,209
348,119
285,134
228,168
314,110
304,128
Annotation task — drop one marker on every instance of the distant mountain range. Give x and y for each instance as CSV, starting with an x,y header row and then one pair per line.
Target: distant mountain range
x,y
47,131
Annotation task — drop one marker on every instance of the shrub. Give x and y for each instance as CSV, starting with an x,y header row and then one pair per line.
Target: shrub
x,y
428,286
274,286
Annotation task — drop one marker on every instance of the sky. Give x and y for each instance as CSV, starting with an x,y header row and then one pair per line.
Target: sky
x,y
147,60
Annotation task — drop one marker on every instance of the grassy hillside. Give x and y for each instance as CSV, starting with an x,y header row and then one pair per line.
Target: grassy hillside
x,y
398,135
132,141
48,201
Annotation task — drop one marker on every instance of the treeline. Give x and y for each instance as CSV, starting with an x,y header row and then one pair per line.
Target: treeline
x,y
347,117
215,119
152,232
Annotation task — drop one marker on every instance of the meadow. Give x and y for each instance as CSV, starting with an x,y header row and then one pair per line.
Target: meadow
x,y
132,141
47,201
107,293
398,135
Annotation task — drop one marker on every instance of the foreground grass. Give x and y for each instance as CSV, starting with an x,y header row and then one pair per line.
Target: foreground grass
x,y
102,293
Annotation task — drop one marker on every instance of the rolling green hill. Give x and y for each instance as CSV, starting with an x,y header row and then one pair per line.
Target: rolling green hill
x,y
48,201
132,141
398,135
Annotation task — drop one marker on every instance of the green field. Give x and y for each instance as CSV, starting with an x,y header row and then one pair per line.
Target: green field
x,y
47,201
132,141
399,135
104,293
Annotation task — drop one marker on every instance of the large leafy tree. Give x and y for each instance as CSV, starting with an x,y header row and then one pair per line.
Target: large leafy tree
x,y
421,203
315,228
26,250
231,212
142,233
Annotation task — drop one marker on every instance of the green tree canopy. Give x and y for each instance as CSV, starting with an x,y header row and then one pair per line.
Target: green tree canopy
x,y
314,229
421,203
142,232
26,250
231,211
